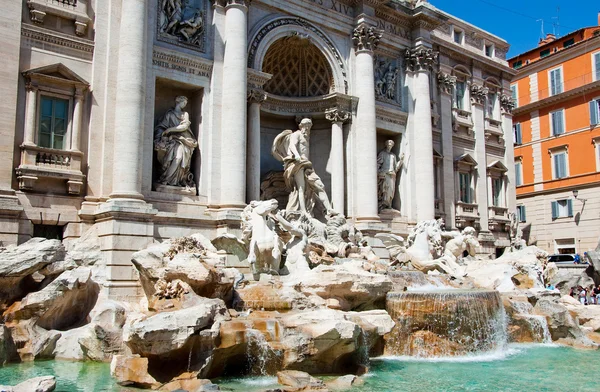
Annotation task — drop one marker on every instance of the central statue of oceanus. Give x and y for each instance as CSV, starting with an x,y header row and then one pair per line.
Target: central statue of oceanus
x,y
305,186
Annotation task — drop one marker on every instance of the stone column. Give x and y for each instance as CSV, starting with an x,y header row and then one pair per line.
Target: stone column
x,y
365,39
77,121
419,62
255,98
336,156
130,101
478,97
233,122
446,84
507,106
30,114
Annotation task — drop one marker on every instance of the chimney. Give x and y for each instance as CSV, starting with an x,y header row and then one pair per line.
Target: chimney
x,y
549,38
598,18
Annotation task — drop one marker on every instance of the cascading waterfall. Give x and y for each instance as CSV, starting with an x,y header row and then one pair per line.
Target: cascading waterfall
x,y
445,323
259,353
537,326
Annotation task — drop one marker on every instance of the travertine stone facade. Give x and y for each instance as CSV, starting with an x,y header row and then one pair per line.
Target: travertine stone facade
x,y
85,91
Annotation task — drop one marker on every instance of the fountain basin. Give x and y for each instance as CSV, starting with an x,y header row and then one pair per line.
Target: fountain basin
x,y
445,323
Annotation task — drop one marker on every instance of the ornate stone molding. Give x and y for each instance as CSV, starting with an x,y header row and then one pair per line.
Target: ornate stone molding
x,y
507,104
366,38
478,94
256,96
65,9
257,79
446,82
74,46
171,61
309,106
186,28
420,59
337,115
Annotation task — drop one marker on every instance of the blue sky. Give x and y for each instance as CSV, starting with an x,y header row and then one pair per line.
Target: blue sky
x,y
515,20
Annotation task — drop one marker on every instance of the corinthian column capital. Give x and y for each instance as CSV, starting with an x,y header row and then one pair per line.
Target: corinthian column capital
x,y
256,96
420,59
446,82
366,37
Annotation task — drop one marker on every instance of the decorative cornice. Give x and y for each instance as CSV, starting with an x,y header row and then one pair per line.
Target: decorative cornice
x,y
313,106
337,115
420,59
478,94
83,47
257,79
446,82
366,37
554,99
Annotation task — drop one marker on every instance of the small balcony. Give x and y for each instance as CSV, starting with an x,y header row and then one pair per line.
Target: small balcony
x,y
67,9
493,129
461,117
498,218
38,163
467,214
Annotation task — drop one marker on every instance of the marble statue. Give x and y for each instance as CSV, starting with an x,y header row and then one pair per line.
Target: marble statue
x,y
174,144
515,233
388,165
430,248
174,21
305,186
265,247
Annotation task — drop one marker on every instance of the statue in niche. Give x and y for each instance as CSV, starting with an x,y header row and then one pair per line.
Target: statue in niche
x,y
183,20
388,165
305,186
386,76
174,144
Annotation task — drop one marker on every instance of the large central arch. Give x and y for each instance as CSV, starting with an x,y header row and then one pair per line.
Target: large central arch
x,y
277,28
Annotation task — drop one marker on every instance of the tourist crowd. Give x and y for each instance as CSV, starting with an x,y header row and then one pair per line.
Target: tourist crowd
x,y
587,296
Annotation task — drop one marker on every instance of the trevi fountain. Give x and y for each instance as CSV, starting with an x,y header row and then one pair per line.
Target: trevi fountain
x,y
316,309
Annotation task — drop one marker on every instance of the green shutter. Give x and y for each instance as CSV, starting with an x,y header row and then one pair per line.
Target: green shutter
x,y
597,58
523,217
554,209
594,112
570,207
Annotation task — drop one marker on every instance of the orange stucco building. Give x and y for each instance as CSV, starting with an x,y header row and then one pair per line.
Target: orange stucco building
x,y
557,141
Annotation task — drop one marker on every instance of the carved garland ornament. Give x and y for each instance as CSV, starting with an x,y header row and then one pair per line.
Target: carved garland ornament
x,y
337,115
420,59
366,37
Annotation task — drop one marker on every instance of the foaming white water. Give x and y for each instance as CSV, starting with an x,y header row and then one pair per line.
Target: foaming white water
x,y
491,356
257,381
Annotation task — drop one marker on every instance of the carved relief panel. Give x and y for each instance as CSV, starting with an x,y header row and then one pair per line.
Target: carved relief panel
x,y
183,23
387,79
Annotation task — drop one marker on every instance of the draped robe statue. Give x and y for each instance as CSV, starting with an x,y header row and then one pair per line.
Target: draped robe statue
x,y
174,144
291,148
388,165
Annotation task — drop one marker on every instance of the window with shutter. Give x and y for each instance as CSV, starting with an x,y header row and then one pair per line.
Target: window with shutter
x,y
518,174
556,86
595,112
597,65
570,207
521,214
562,208
560,165
459,95
554,205
558,125
518,134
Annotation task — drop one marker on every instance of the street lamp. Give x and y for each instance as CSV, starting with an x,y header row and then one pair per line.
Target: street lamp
x,y
575,193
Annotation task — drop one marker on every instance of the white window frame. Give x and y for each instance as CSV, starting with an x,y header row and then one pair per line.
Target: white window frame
x,y
43,92
519,171
461,34
597,111
517,126
596,71
596,142
521,216
492,51
562,81
556,151
564,125
514,88
568,206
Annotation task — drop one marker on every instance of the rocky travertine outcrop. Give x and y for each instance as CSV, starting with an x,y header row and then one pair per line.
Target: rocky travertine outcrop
x,y
348,283
37,384
519,270
19,263
293,380
132,371
8,350
192,262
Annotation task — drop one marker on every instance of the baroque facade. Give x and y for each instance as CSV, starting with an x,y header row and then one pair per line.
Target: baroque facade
x,y
141,120
557,137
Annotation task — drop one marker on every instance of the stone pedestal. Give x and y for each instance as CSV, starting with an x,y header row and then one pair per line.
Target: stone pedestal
x,y
124,227
175,190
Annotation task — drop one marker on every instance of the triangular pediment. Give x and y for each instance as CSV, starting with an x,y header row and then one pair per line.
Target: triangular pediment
x,y
56,71
466,159
497,166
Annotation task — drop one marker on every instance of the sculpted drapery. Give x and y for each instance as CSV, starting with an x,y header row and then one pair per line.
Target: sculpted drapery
x,y
388,165
174,144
